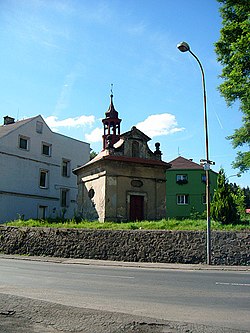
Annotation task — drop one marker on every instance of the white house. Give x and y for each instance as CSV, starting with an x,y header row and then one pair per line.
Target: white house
x,y
36,179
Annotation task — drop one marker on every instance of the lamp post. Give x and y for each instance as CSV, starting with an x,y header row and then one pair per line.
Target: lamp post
x,y
184,47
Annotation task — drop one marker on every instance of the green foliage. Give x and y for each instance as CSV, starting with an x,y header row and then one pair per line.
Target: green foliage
x,y
239,199
242,161
226,205
246,191
170,224
233,52
92,155
133,226
194,215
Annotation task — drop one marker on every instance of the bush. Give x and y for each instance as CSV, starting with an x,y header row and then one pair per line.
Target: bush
x,y
225,204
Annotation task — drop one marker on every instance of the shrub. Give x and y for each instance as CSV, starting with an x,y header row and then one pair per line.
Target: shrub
x,y
224,207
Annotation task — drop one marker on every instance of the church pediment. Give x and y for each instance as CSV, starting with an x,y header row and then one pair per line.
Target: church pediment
x,y
134,143
136,134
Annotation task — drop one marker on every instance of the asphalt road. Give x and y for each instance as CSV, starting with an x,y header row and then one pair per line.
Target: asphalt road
x,y
208,297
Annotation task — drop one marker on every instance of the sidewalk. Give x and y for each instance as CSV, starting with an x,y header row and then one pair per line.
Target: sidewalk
x,y
145,265
26,315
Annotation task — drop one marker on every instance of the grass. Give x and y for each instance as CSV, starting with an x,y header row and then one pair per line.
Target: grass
x,y
170,224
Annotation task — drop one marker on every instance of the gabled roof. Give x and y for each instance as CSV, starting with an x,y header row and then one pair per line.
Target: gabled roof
x,y
135,133
181,163
6,129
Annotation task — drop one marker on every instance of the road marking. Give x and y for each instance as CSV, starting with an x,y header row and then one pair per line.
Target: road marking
x,y
114,276
105,275
233,284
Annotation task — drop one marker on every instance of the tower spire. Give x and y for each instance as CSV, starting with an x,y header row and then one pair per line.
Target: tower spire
x,y
111,124
111,95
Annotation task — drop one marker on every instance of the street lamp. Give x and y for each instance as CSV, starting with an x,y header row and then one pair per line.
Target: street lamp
x,y
184,47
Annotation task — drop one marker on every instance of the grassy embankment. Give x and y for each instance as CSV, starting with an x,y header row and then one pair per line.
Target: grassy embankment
x,y
170,224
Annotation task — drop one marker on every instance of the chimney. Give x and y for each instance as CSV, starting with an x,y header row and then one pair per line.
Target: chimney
x,y
8,120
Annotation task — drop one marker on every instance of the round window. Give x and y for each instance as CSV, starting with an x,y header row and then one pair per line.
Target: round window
x,y
91,193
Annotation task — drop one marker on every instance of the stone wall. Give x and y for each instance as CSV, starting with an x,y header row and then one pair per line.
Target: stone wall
x,y
228,248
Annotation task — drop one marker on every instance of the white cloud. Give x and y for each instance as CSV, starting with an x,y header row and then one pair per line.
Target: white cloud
x,y
159,124
95,135
54,123
154,125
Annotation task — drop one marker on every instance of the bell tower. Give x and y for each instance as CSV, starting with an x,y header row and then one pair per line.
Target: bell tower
x,y
111,124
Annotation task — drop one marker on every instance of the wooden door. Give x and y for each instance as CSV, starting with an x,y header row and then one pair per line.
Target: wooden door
x,y
136,208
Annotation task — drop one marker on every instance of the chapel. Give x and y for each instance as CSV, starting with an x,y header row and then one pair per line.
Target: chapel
x,y
126,181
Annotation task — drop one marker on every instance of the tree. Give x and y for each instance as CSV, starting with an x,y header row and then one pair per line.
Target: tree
x,y
93,154
246,191
233,53
239,199
224,207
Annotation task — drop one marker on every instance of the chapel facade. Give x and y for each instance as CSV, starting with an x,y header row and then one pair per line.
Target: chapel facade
x,y
126,181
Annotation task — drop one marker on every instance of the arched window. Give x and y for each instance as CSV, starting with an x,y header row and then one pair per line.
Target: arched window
x,y
106,128
135,149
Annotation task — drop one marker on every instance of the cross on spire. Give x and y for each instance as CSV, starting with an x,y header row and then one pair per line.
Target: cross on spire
x,y
111,124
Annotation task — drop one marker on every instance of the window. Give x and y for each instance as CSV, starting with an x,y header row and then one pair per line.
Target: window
x,y
42,212
65,168
203,178
44,179
46,149
204,199
135,149
39,127
23,142
64,197
181,179
182,199
91,193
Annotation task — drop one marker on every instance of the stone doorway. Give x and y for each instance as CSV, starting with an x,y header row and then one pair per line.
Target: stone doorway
x,y
136,211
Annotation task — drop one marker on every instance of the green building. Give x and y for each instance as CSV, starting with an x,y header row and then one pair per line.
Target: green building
x,y
186,188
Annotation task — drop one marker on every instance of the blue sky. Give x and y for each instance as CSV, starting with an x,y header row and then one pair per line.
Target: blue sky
x,y
59,59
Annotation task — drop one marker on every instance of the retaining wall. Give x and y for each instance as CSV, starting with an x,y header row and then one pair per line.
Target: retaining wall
x,y
228,248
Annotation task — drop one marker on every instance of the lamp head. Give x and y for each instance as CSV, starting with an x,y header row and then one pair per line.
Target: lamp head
x,y
183,47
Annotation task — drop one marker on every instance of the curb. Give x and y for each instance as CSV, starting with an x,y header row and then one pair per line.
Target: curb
x,y
144,265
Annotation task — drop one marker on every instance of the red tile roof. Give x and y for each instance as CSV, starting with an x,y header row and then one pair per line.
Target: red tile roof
x,y
184,163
